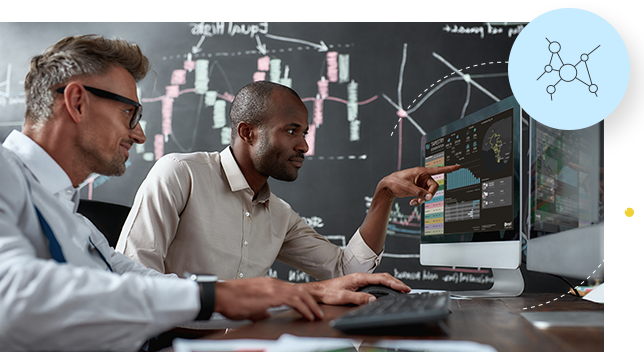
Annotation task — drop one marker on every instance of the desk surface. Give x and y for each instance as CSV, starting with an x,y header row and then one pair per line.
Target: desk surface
x,y
493,321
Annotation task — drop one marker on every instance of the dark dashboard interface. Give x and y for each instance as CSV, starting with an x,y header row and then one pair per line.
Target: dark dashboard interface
x,y
479,196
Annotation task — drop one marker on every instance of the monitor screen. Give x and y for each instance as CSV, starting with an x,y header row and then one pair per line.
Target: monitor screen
x,y
566,213
478,197
474,218
566,185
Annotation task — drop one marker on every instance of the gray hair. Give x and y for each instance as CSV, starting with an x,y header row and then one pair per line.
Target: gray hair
x,y
74,56
252,105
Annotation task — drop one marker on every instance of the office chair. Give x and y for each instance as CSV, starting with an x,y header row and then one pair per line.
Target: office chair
x,y
107,217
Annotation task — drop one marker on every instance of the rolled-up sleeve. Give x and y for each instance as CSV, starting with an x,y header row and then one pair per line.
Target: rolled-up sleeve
x,y
307,250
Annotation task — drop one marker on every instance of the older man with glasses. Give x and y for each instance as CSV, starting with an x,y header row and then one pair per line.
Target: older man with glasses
x,y
61,286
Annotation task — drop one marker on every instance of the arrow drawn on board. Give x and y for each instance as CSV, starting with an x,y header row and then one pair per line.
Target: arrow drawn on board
x,y
321,47
197,48
261,47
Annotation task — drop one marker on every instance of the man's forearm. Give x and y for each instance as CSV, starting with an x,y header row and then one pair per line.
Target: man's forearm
x,y
374,226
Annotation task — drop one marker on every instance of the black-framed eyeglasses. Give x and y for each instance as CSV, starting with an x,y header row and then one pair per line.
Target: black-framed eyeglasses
x,y
138,108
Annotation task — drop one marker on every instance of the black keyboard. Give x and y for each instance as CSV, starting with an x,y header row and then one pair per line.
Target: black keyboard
x,y
404,312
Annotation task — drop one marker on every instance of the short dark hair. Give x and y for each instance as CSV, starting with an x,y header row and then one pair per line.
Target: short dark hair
x,y
74,56
252,105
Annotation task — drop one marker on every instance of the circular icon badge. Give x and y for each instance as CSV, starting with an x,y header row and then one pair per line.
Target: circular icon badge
x,y
569,69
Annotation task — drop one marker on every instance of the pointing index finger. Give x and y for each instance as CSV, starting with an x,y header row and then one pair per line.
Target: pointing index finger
x,y
442,169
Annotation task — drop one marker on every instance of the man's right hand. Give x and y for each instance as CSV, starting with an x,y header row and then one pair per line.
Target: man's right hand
x,y
251,298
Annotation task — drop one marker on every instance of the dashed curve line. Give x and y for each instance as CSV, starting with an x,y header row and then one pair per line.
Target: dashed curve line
x,y
446,80
553,300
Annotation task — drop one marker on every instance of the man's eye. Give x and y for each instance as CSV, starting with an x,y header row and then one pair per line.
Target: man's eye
x,y
305,133
291,131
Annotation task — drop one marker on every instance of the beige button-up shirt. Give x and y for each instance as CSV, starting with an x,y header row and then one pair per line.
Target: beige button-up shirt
x,y
195,212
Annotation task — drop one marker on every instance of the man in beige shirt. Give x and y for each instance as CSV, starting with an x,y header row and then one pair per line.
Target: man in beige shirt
x,y
214,212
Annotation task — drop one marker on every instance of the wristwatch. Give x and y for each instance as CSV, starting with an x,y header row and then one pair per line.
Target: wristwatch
x,y
206,293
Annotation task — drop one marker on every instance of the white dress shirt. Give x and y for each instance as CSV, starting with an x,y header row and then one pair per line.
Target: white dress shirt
x,y
196,212
79,305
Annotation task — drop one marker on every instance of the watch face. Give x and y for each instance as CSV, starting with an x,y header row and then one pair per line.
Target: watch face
x,y
207,278
201,278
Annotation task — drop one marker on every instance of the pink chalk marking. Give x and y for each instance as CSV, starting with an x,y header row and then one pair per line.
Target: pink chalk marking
x,y
263,63
158,146
189,90
401,113
259,76
172,91
323,88
226,96
332,65
399,144
318,118
166,115
310,140
178,77
152,100
407,222
343,101
189,65
160,98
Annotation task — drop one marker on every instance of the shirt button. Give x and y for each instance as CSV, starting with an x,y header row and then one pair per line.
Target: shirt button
x,y
245,243
241,275
247,214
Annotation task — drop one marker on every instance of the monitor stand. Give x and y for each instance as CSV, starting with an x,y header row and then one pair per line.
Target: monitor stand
x,y
507,283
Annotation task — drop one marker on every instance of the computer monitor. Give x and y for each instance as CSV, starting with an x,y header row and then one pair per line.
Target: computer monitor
x,y
576,217
475,218
566,220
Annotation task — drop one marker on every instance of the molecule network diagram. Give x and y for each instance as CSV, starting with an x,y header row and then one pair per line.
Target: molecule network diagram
x,y
567,72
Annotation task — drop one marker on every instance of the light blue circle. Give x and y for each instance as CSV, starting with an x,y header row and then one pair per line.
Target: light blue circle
x,y
573,105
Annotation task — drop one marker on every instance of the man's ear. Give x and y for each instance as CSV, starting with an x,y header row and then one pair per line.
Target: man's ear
x,y
76,101
247,132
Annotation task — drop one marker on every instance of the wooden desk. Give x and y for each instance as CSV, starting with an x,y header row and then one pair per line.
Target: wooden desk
x,y
493,321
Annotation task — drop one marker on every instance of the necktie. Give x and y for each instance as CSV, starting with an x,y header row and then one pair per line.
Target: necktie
x,y
54,247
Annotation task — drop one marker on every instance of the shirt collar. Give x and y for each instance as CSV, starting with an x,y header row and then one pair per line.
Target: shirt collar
x,y
236,179
41,165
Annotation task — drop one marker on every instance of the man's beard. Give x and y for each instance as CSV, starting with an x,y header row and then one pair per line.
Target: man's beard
x,y
111,167
267,162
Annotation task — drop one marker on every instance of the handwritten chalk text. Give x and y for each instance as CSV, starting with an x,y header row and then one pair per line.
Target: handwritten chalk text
x,y
230,28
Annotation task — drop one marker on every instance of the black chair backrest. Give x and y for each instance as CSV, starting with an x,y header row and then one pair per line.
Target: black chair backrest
x,y
107,217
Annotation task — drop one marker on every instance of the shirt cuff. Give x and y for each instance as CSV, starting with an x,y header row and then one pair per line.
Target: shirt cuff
x,y
362,252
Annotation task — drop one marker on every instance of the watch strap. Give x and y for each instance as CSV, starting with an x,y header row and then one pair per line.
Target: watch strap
x,y
207,298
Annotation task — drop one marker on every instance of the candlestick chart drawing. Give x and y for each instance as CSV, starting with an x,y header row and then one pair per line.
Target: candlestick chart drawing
x,y
372,90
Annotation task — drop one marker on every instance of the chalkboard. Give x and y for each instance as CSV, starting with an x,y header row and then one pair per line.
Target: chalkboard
x,y
372,90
